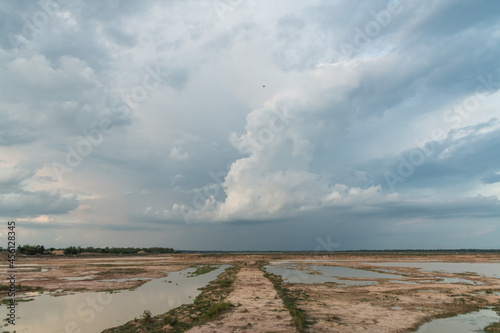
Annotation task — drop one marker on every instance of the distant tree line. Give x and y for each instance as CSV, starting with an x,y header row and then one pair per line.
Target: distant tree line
x,y
73,250
31,249
117,250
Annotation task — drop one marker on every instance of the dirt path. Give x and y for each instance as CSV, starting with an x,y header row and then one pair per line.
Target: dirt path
x,y
258,307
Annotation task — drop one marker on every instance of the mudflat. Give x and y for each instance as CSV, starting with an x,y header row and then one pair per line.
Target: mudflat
x,y
374,304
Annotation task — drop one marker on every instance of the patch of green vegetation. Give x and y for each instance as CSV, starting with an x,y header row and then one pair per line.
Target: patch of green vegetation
x,y
495,327
213,311
290,299
146,317
116,291
19,288
331,284
7,301
468,274
207,306
200,270
208,255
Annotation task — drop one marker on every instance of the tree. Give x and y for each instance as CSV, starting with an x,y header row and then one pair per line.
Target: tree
x,y
71,250
31,249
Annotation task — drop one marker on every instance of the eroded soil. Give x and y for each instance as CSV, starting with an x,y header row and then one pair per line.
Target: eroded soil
x,y
93,273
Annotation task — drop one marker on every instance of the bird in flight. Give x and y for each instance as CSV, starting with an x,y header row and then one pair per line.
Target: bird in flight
x,y
263,86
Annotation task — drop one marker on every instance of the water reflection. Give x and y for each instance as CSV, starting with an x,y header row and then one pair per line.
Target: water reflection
x,y
321,274
457,280
485,269
466,323
95,311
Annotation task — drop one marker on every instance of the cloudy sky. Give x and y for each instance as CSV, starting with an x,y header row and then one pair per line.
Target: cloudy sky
x,y
251,125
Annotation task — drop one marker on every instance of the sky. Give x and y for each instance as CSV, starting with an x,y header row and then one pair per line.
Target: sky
x,y
251,125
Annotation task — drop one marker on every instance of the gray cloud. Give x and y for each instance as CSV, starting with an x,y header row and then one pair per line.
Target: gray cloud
x,y
192,129
36,203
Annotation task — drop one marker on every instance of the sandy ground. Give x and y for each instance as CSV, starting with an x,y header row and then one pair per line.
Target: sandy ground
x,y
388,306
258,307
392,307
91,273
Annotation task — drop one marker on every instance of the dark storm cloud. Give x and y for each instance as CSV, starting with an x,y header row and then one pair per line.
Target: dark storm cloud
x,y
447,162
36,203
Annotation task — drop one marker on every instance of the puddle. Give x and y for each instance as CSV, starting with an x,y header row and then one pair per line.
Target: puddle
x,y
457,280
466,323
485,269
145,262
78,278
95,311
403,282
324,274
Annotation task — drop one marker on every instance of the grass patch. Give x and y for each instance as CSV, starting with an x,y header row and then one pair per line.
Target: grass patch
x,y
19,288
207,306
201,269
213,311
7,301
290,299
495,327
213,255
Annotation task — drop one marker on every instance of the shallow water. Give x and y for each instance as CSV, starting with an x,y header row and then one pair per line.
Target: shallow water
x,y
466,323
457,280
78,278
95,311
403,282
322,274
485,269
